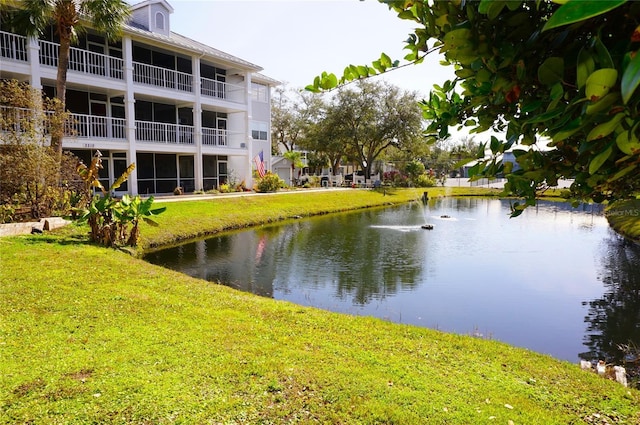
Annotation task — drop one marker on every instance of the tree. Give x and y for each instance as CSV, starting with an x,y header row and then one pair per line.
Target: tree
x,y
292,112
295,157
31,180
559,82
68,18
371,119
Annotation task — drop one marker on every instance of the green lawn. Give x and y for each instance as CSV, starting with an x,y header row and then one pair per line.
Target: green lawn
x,y
94,335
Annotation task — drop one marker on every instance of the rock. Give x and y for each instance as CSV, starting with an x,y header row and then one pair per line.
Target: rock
x,y
621,375
54,223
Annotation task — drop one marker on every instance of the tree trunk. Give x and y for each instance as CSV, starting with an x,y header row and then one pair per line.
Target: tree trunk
x,y
57,130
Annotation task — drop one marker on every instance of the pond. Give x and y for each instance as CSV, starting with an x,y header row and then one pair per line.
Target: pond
x,y
555,280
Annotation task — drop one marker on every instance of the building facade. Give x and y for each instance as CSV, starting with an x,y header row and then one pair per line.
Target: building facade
x,y
187,114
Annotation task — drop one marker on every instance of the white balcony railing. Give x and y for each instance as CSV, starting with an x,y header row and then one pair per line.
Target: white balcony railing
x,y
77,125
214,137
95,127
17,120
221,90
13,46
158,132
83,61
162,77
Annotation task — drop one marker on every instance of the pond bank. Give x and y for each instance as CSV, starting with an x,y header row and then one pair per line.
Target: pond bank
x,y
92,335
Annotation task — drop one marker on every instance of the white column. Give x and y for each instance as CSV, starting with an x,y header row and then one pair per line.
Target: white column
x,y
197,125
130,111
247,129
33,55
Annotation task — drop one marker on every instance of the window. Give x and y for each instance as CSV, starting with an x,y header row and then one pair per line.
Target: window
x,y
259,130
159,21
259,92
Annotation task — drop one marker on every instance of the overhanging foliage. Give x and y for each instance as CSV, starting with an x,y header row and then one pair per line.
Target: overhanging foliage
x,y
559,82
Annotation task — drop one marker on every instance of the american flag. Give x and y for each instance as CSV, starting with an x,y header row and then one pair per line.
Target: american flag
x,y
259,160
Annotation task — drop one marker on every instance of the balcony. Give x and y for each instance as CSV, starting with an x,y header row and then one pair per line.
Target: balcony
x,y
20,120
83,61
95,127
158,132
13,46
214,137
162,77
222,90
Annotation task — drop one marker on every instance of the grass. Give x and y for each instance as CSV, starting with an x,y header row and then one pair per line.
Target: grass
x,y
624,217
93,335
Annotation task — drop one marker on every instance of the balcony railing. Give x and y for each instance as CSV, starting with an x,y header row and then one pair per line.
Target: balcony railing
x,y
158,132
221,90
83,61
13,46
162,77
214,137
95,127
20,120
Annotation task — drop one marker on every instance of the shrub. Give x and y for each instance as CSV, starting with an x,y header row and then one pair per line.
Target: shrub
x,y
395,179
269,183
34,181
109,218
424,180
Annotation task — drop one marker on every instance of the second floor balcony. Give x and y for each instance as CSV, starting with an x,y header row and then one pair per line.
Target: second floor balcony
x,y
93,127
14,47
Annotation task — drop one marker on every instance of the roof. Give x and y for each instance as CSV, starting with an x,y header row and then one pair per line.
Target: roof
x,y
261,78
149,2
175,39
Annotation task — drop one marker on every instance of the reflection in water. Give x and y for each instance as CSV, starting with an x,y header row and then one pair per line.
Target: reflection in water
x,y
613,331
527,281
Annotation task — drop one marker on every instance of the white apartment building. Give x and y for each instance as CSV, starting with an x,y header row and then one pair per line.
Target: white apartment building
x,y
187,114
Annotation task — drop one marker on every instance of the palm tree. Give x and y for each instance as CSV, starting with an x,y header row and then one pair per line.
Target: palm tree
x,y
295,158
68,18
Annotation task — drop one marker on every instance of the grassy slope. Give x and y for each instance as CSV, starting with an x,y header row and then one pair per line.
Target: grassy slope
x,y
93,335
624,217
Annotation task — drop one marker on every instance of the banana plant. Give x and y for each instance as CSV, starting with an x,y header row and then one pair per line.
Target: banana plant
x,y
132,210
109,218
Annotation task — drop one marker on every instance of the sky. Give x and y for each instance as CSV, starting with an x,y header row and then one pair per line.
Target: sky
x,y
295,40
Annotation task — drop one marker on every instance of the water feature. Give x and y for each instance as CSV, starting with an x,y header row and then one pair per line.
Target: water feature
x,y
555,280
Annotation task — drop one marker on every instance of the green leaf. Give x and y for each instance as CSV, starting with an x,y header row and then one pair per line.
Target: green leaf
x,y
600,82
385,60
495,144
631,78
546,116
551,71
623,172
605,129
579,10
602,104
585,67
628,142
600,159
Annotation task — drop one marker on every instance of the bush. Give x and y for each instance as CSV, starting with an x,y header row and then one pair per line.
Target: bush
x,y
395,179
34,181
424,180
269,183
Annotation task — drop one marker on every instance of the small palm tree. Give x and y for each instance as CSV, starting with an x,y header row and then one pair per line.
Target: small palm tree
x,y
295,158
68,17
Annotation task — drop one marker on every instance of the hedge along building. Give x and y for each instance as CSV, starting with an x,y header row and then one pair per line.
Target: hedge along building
x,y
187,114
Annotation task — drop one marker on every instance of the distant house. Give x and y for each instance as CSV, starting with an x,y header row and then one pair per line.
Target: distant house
x,y
186,113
